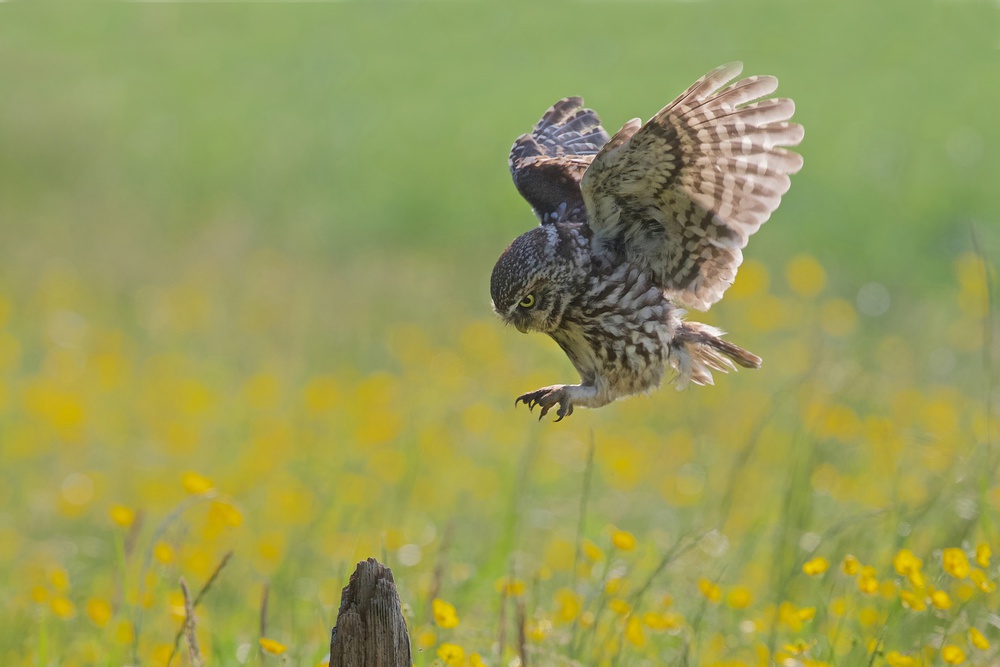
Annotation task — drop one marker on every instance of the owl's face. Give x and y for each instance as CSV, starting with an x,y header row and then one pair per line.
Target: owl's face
x,y
535,310
534,278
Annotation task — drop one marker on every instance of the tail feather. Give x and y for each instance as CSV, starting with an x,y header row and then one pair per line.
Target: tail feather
x,y
698,349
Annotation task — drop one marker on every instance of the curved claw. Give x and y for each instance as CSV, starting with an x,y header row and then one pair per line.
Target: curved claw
x,y
548,398
565,409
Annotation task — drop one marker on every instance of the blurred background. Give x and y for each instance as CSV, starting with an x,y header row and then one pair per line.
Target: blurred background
x,y
244,267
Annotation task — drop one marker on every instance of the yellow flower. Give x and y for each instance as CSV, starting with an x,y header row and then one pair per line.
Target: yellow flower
x,y
793,617
539,630
850,565
196,484
591,551
897,659
911,601
271,646
320,395
805,275
121,515
964,591
444,614
452,654
952,654
800,647
789,615
867,583
39,594
623,540
175,604
673,620
619,606
940,599
905,563
669,620
125,632
983,554
568,605
59,579
426,639
163,553
955,563
99,612
710,590
559,554
476,660
510,587
739,597
816,566
977,639
634,633
868,617
653,621
614,585
838,606
838,317
752,280
63,608
979,578
160,653
226,514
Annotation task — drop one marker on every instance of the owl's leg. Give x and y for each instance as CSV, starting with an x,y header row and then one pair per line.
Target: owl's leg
x,y
565,395
547,397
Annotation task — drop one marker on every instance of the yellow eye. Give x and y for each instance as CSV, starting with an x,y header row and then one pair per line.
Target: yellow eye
x,y
528,301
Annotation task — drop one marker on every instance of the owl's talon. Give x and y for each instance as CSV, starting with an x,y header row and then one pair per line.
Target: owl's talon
x,y
565,409
547,398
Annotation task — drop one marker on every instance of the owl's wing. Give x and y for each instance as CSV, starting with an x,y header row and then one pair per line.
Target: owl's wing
x,y
547,164
681,195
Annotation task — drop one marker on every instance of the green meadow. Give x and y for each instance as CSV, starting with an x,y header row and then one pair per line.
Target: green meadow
x,y
246,341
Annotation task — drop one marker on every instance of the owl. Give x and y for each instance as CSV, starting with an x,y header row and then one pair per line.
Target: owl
x,y
638,227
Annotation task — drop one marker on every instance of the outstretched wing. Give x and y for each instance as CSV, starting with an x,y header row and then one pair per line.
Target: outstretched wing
x,y
547,164
681,195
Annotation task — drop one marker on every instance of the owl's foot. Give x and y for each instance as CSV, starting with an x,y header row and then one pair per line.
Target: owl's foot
x,y
547,397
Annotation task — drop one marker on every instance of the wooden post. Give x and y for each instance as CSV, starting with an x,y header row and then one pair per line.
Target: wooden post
x,y
370,630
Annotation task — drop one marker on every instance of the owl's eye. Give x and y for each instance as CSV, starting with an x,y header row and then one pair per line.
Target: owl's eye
x,y
528,301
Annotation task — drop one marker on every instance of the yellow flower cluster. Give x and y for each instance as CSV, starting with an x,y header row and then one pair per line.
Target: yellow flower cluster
x,y
146,445
444,614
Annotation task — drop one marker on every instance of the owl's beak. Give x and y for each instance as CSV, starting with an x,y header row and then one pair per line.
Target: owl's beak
x,y
521,327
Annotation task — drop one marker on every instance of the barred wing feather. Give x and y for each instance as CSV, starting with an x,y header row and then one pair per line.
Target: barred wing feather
x,y
548,164
680,195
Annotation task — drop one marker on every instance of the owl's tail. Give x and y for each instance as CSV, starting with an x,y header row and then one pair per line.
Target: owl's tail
x,y
698,349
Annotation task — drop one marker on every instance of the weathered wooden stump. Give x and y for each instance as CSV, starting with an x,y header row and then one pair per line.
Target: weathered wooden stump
x,y
370,630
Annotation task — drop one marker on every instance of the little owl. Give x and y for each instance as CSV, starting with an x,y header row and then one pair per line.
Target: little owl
x,y
637,227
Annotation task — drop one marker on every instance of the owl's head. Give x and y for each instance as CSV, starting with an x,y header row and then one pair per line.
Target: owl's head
x,y
537,275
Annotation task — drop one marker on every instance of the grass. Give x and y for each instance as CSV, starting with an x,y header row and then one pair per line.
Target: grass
x,y
243,309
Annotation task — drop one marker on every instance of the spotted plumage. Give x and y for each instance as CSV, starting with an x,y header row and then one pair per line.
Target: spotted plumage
x,y
638,226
